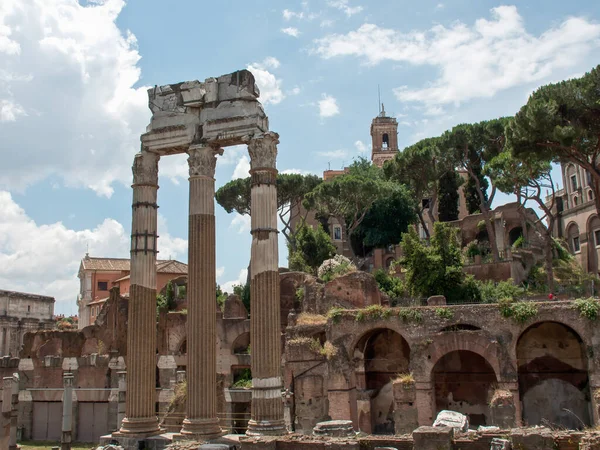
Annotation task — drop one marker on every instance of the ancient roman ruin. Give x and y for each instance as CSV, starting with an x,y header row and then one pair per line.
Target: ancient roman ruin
x,y
200,119
334,363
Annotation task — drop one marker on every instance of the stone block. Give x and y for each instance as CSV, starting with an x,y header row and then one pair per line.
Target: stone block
x,y
500,444
532,439
214,447
406,419
503,416
404,392
452,419
433,438
334,428
436,300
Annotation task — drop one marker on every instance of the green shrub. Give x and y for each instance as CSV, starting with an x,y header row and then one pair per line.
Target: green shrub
x,y
588,308
393,286
492,292
373,312
444,313
410,315
473,249
335,314
519,311
300,294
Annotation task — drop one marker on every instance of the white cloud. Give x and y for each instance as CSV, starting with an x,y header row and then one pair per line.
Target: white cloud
x,y
219,272
325,23
288,15
343,6
439,6
473,61
44,258
361,147
291,31
68,73
328,106
241,279
242,168
241,223
169,247
297,172
231,155
9,111
295,91
268,84
334,154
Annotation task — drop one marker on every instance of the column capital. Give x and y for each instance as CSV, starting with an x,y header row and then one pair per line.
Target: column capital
x,y
263,150
145,168
202,160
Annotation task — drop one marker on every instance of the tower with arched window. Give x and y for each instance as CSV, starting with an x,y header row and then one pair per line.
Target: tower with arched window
x,y
384,136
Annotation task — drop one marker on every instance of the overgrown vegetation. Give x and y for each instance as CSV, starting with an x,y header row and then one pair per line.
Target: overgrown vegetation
x,y
373,312
444,313
410,315
310,319
335,314
393,286
242,379
243,291
492,292
166,301
405,378
588,308
519,311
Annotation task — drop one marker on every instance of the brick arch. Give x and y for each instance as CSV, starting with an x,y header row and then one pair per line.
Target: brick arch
x,y
480,344
177,336
574,325
240,341
372,328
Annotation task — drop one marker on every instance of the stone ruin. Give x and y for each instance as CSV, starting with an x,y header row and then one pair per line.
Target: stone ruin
x,y
341,353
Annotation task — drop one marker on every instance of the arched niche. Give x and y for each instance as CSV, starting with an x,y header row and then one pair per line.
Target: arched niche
x,y
380,355
553,376
463,381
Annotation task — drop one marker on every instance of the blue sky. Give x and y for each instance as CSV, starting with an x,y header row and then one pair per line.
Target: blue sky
x,y
73,80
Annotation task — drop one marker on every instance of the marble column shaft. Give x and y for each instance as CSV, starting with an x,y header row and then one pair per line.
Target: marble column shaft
x,y
201,420
140,415
265,321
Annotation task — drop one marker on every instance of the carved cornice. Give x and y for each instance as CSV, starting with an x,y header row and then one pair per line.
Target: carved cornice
x,y
263,151
145,169
202,161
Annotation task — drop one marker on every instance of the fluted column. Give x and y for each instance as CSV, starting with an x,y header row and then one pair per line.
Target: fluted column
x,y
201,420
140,415
265,328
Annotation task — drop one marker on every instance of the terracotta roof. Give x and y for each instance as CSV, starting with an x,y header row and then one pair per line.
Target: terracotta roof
x,y
123,265
97,302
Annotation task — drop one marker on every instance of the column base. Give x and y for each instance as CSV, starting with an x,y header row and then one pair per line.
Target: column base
x,y
143,427
266,428
201,429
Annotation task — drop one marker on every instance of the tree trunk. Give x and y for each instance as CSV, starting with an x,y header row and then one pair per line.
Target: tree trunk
x,y
423,224
548,261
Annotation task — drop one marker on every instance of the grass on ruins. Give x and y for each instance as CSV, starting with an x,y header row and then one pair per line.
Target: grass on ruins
x,y
30,445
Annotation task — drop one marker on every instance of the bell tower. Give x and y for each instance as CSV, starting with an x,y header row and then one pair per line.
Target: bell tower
x,y
384,136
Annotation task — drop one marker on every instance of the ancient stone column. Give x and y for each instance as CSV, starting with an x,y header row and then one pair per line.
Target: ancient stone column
x,y
140,416
265,328
67,412
201,420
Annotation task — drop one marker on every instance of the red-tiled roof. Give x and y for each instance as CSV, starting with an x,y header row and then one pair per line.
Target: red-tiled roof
x,y
123,265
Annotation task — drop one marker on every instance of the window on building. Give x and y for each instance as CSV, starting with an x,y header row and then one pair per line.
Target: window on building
x,y
574,182
337,233
385,141
576,247
590,195
28,308
597,237
588,177
103,285
575,201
